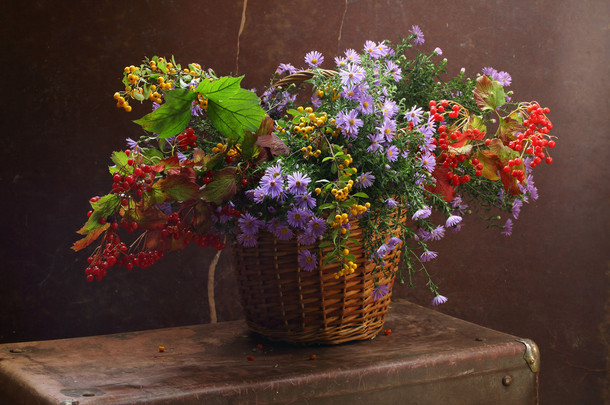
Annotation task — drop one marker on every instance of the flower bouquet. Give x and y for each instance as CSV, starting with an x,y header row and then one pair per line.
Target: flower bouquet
x,y
371,147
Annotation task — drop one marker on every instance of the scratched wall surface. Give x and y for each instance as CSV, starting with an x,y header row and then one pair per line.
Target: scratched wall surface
x,y
62,63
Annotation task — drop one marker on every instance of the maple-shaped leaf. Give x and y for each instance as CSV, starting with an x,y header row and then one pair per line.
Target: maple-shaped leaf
x,y
489,94
248,149
156,241
509,127
179,187
443,185
147,218
267,139
203,211
172,117
491,164
233,116
222,187
89,238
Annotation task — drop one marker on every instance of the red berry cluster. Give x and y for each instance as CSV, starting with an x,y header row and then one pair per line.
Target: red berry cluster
x,y
178,229
437,110
478,167
113,252
140,180
538,126
186,139
450,160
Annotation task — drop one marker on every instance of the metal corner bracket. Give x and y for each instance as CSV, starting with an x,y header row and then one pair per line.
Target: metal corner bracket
x,y
531,355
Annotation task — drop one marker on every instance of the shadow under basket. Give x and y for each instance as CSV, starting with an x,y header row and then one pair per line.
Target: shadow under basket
x,y
284,303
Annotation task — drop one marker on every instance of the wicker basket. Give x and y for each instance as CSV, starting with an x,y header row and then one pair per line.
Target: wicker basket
x,y
284,303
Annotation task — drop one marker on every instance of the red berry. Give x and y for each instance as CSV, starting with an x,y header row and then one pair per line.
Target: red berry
x,y
130,161
549,160
250,358
312,357
244,182
387,332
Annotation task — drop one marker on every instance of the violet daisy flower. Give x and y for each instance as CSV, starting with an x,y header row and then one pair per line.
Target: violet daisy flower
x,y
349,123
286,68
517,204
296,218
453,220
437,233
371,49
428,161
366,103
414,115
389,108
131,143
387,129
504,78
247,240
248,224
307,261
354,74
508,227
273,186
283,232
379,292
364,180
394,70
305,200
438,51
419,35
297,183
375,145
422,234
489,71
314,58
438,300
316,226
422,213
392,153
340,62
351,92
427,256
391,203
306,238
352,56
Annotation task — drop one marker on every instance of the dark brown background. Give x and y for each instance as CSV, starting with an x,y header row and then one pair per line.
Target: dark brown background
x,y
61,64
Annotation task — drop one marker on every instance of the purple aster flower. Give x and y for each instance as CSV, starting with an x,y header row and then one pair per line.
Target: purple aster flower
x,y
393,242
316,226
296,217
314,59
349,123
372,50
428,161
283,232
394,70
382,251
422,234
273,225
306,238
375,145
379,292
419,35
517,204
438,300
504,78
508,227
437,233
391,203
366,103
305,200
387,129
458,203
351,92
392,153
247,240
414,115
286,68
297,183
273,186
352,75
453,220
248,224
307,261
389,108
438,51
422,213
352,56
340,62
489,71
428,129
131,143
257,195
364,180
427,256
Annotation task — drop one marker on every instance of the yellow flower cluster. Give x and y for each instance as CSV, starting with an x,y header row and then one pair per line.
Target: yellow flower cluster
x,y
342,194
309,123
358,209
308,151
121,102
340,219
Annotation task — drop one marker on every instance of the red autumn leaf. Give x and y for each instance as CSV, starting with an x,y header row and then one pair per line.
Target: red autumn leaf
x,y
89,238
443,185
180,187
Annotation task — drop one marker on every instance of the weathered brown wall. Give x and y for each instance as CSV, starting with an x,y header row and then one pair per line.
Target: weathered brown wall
x,y
62,62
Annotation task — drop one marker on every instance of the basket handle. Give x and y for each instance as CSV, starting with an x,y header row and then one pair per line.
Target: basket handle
x,y
300,76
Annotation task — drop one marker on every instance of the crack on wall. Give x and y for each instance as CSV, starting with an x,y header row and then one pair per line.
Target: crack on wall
x,y
241,29
341,28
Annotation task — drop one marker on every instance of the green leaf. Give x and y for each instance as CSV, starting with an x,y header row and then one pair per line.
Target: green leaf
x,y
119,158
172,116
106,206
233,116
221,89
489,94
361,195
222,187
